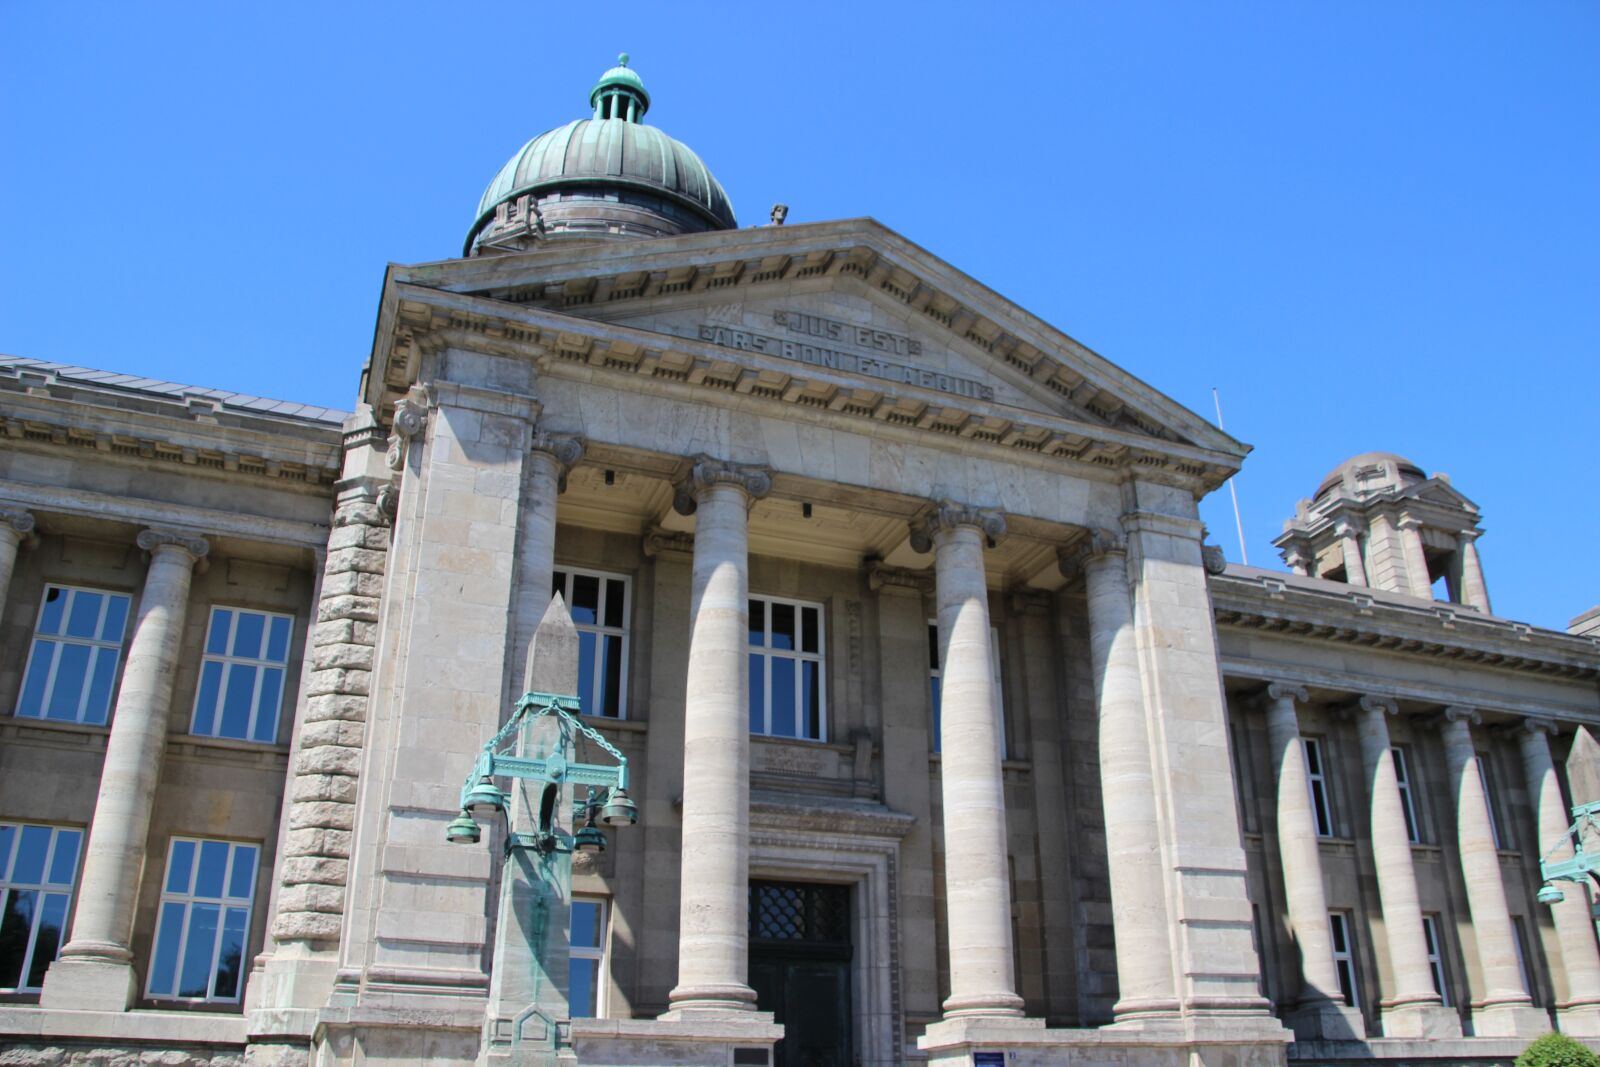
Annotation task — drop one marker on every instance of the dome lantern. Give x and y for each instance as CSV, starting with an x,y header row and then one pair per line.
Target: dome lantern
x,y
606,177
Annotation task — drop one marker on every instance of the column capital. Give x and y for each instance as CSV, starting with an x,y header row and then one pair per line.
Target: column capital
x,y
947,515
1379,704
18,519
1534,725
1096,544
410,416
1280,690
566,448
153,539
706,472
881,576
658,541
1468,536
1461,713
1407,521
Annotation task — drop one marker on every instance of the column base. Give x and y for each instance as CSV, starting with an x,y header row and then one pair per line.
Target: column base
x,y
987,1006
1325,1020
1429,1020
1509,1020
687,1039
89,983
1248,1041
1578,1020
721,997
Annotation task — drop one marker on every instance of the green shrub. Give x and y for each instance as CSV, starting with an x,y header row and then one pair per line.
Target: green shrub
x,y
1557,1050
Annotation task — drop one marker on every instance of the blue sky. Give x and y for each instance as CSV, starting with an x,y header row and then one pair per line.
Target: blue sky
x,y
1371,226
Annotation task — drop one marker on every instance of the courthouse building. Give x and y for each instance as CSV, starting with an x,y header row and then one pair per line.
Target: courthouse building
x,y
951,738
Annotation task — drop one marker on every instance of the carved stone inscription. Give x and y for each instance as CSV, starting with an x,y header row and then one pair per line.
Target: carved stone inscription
x,y
893,344
852,362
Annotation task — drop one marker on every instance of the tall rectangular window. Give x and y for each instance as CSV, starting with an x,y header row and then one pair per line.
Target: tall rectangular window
x,y
936,684
1432,934
787,697
72,664
1524,957
38,865
1402,776
241,675
1344,955
1317,782
204,921
599,604
586,967
1489,800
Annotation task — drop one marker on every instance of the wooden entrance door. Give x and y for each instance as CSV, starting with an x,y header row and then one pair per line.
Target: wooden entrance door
x,y
800,969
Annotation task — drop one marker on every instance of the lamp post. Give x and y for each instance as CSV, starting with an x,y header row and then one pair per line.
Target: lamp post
x,y
553,805
1581,867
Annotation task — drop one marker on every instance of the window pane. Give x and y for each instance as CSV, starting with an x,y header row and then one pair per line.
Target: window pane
x,y
72,668
783,626
612,651
164,967
213,866
581,987
241,880
808,629
933,648
83,616
32,849
758,623
241,691
47,941
1337,926
585,924
198,953
64,864
8,837
615,590
231,954
268,705
217,639
54,610
247,634
205,704
934,695
811,700
758,693
116,618
104,675
1313,757
180,867
39,661
586,653
278,639
783,683
16,926
585,599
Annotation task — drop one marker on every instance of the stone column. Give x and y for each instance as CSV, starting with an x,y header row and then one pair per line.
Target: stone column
x,y
544,477
1474,594
1416,558
713,937
1355,573
976,868
1580,1012
1413,1008
16,526
1139,912
1504,1008
1320,1012
95,970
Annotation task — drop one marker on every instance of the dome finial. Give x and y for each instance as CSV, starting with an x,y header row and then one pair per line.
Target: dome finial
x,y
619,94
622,59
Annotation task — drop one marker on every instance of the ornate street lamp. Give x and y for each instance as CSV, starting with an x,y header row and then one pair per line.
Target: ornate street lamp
x,y
1582,867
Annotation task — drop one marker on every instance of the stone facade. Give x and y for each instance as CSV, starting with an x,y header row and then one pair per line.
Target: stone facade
x,y
883,586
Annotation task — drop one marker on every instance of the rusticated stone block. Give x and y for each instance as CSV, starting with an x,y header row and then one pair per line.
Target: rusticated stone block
x,y
340,788
333,706
347,606
354,583
334,732
314,870
364,560
329,759
358,514
317,842
358,657
307,926
352,682
330,815
311,897
358,536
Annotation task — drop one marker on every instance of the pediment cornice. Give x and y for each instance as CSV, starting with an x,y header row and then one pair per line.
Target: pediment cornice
x,y
419,319
590,279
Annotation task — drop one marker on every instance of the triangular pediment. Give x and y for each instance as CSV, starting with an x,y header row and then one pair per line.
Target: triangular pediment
x,y
847,298
1437,491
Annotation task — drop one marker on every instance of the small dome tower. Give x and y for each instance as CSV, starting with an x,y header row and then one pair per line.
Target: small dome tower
x,y
1379,520
605,177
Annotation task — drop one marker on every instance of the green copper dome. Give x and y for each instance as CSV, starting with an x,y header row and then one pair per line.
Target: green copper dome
x,y
609,175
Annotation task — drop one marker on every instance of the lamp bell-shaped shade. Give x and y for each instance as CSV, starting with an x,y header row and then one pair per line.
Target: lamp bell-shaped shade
x,y
463,830
485,798
589,839
1549,894
619,809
